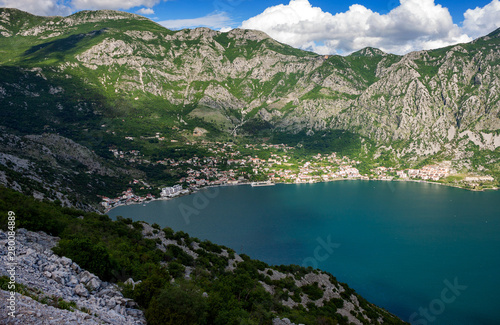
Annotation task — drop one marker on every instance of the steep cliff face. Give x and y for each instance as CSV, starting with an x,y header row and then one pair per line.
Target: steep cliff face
x,y
421,103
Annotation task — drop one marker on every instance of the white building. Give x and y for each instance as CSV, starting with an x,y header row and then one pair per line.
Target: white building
x,y
171,191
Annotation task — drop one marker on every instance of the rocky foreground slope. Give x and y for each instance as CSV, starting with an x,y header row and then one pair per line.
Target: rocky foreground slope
x,y
51,280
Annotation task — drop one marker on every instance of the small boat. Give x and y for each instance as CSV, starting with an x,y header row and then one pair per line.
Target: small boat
x,y
263,183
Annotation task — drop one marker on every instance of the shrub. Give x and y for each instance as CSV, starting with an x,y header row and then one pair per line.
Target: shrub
x,y
313,291
181,303
176,270
92,257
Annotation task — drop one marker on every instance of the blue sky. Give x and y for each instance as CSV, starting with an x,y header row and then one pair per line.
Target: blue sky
x,y
240,10
326,27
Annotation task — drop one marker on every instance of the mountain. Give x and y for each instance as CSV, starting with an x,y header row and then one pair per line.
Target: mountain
x,y
97,76
72,88
242,81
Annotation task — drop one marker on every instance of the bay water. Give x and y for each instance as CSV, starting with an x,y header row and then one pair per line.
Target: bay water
x,y
428,253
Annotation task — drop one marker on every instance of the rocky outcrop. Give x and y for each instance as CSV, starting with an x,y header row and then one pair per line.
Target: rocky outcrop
x,y
52,277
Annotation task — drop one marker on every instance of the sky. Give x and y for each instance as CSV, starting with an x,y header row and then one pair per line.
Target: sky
x,y
321,26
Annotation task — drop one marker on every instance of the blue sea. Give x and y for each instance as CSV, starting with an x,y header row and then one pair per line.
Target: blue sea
x,y
430,254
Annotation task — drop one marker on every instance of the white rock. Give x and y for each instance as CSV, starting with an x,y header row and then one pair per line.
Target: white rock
x,y
111,303
81,290
65,261
73,280
94,284
85,277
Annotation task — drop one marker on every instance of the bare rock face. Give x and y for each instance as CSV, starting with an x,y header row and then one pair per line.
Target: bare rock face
x,y
81,290
416,97
53,276
244,75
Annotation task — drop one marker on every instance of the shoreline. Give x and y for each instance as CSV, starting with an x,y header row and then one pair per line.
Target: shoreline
x,y
171,198
285,183
449,185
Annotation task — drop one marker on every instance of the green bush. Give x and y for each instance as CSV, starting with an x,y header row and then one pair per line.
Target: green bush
x,y
313,291
176,270
177,253
92,257
178,303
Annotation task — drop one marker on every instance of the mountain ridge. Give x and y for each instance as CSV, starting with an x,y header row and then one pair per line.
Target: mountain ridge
x,y
429,105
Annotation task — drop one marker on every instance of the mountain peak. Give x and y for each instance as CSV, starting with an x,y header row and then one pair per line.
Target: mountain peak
x,y
4,11
100,15
249,34
369,51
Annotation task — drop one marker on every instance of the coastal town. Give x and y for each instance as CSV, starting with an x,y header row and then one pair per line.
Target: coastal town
x,y
230,164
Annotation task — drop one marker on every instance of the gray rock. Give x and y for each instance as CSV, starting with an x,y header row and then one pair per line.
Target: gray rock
x,y
94,284
65,261
81,290
30,251
73,281
111,303
85,277
284,321
75,267
59,277
105,292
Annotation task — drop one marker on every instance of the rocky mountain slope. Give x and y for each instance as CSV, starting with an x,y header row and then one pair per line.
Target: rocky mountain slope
x,y
97,77
52,167
431,100
82,298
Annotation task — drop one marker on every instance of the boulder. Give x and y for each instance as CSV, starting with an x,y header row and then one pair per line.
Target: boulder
x,y
94,284
85,277
111,303
73,281
75,267
30,251
60,277
81,290
65,261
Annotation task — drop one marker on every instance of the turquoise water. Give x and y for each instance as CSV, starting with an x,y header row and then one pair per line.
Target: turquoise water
x,y
427,253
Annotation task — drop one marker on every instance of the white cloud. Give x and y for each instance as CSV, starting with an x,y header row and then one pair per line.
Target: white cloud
x,y
146,11
39,7
413,25
214,20
112,4
67,7
481,21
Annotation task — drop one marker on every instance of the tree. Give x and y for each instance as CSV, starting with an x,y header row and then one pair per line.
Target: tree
x,y
89,256
178,303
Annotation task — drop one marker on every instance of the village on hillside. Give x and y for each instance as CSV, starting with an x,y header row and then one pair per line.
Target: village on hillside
x,y
227,165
